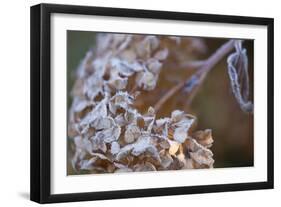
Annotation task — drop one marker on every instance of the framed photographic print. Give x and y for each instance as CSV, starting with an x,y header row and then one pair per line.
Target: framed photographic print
x,y
132,103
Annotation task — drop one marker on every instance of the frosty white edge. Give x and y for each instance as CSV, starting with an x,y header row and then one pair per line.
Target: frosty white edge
x,y
61,183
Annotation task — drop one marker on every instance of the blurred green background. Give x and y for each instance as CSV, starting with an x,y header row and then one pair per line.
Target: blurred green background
x,y
214,105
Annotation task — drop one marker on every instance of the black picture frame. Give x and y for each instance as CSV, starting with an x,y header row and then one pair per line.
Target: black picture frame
x,y
41,99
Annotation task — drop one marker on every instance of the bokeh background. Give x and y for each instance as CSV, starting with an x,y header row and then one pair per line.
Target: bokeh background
x,y
214,104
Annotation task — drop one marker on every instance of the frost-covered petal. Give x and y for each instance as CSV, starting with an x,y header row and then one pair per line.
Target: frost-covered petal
x,y
115,148
204,137
132,133
180,134
109,135
103,123
98,144
147,80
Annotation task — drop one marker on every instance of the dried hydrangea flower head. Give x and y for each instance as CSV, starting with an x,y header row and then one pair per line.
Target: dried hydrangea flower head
x,y
109,133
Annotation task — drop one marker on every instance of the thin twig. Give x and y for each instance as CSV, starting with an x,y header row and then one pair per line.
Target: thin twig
x,y
201,73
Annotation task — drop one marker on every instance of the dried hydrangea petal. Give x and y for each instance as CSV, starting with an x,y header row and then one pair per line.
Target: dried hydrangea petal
x,y
204,137
124,151
174,147
115,148
98,144
203,157
166,160
147,166
132,133
147,80
109,135
103,123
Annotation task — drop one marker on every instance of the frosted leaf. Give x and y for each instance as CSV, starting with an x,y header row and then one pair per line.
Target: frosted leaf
x,y
132,133
239,77
115,148
162,54
98,144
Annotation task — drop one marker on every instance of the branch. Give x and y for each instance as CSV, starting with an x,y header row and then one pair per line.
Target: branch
x,y
199,75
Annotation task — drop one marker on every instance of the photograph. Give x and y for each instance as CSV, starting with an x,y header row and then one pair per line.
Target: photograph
x,y
152,102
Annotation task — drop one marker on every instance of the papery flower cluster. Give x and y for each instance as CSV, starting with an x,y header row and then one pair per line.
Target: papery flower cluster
x,y
109,133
